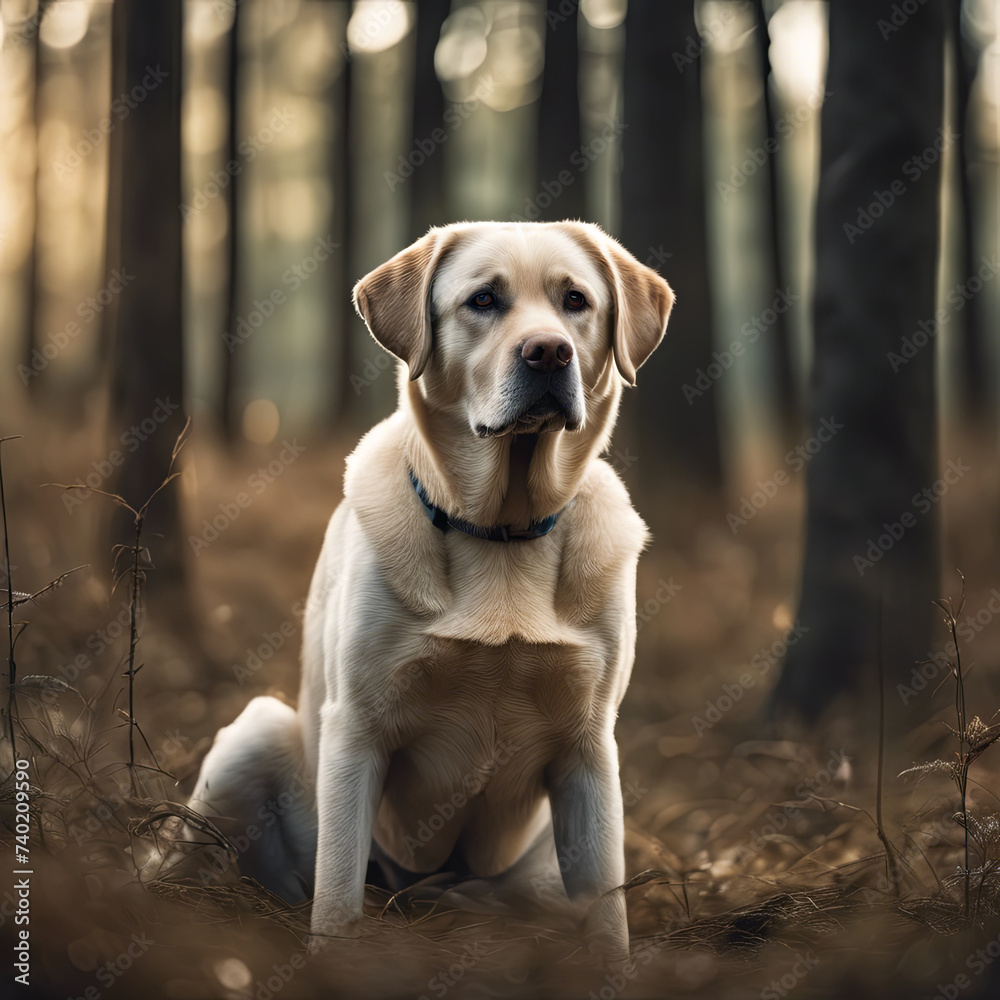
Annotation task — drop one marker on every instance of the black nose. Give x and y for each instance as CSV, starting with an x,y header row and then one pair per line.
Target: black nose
x,y
547,352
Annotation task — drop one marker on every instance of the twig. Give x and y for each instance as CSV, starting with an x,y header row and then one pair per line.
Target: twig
x,y
137,575
18,598
11,666
133,637
891,870
961,773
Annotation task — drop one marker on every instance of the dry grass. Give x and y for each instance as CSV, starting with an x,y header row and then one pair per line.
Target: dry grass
x,y
764,871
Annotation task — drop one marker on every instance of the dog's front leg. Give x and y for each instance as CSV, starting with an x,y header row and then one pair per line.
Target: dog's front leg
x,y
588,823
349,780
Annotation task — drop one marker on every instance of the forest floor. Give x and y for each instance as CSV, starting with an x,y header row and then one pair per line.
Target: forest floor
x,y
766,874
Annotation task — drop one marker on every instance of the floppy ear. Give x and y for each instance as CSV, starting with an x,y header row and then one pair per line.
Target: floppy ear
x,y
394,300
642,301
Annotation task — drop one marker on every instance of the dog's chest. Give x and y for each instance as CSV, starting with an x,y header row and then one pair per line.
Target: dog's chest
x,y
467,693
500,663
475,727
501,592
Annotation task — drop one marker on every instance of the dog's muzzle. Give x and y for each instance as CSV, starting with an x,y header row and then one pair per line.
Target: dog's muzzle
x,y
544,392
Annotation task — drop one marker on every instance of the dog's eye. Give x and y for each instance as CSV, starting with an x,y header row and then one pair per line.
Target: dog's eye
x,y
483,300
575,301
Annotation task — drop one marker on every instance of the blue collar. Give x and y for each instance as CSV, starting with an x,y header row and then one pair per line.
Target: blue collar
x,y
499,533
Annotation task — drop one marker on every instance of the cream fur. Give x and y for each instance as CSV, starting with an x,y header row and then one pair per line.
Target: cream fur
x,y
445,677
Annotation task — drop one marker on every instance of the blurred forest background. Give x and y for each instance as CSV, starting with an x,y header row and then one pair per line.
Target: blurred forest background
x,y
188,192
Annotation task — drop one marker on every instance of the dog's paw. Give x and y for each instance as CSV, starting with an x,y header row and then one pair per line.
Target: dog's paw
x,y
608,952
333,921
319,939
606,930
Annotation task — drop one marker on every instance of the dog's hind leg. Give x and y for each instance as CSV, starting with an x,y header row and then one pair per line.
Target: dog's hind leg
x,y
254,788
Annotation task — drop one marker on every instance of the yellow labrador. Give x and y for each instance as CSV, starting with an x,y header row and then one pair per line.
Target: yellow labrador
x,y
470,628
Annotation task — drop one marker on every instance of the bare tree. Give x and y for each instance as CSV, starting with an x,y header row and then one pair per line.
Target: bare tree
x,y
973,361
786,400
664,223
559,112
872,526
234,257
32,282
341,308
428,204
145,192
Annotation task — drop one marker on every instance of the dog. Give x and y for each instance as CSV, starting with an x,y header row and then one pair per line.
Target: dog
x,y
470,626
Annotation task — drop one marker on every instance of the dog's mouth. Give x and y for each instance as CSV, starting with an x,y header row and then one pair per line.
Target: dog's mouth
x,y
536,401
547,413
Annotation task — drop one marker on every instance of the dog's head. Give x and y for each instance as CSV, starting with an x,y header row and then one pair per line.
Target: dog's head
x,y
515,325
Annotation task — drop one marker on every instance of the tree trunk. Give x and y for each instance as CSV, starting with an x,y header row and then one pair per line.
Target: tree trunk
x,y
32,282
224,412
973,362
147,357
345,262
664,224
871,532
786,400
559,115
428,202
